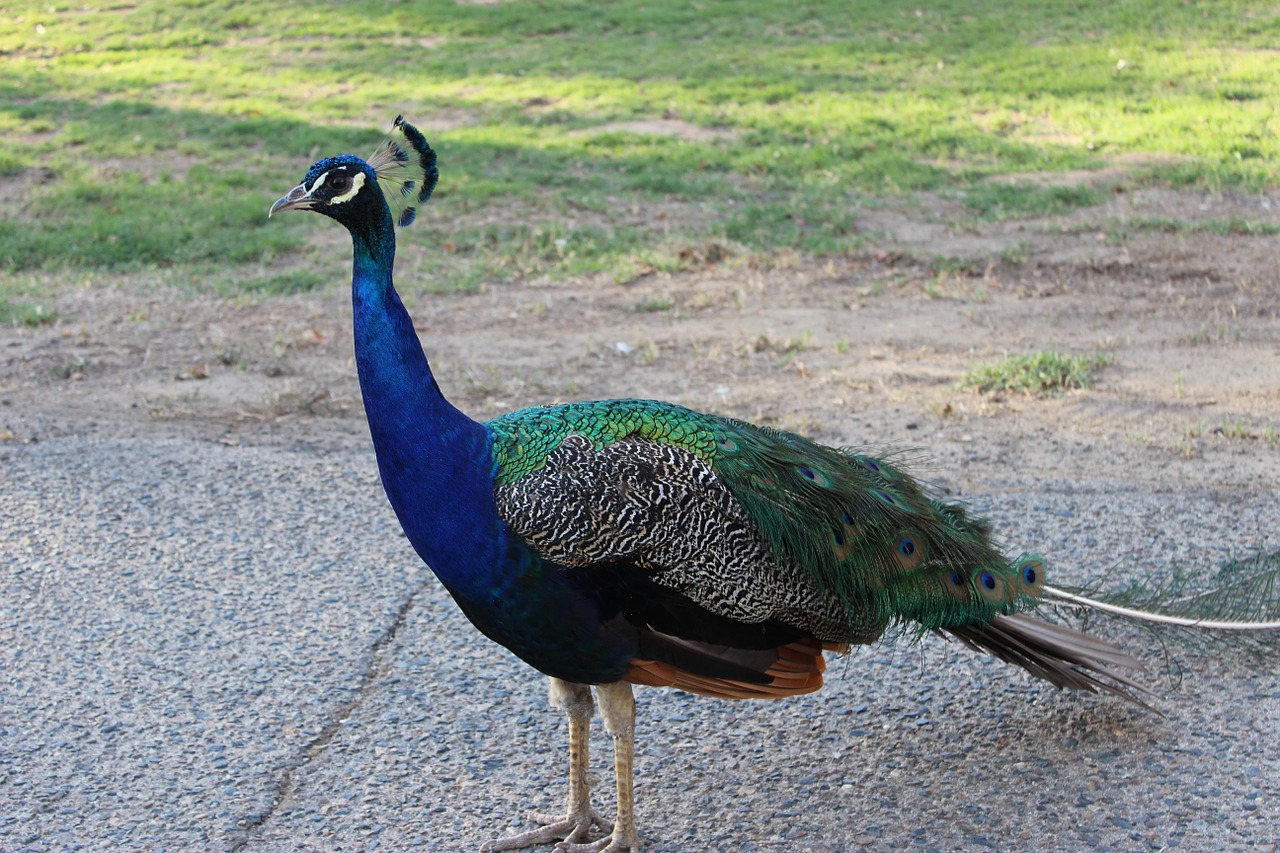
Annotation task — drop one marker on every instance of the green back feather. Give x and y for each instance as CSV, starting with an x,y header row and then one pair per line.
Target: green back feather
x,y
522,439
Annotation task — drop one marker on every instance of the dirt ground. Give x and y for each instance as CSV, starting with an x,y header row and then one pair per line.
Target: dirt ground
x,y
864,350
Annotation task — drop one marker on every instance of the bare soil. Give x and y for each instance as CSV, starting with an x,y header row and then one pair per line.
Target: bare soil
x,y
864,350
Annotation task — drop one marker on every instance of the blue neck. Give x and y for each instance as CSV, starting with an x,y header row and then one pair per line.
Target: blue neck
x,y
435,462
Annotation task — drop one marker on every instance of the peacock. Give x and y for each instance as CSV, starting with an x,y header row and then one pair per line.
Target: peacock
x,y
624,542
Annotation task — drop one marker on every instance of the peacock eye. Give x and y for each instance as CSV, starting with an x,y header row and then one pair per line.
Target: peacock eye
x,y
340,182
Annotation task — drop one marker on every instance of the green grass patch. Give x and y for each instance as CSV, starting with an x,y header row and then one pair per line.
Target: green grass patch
x,y
1043,373
70,369
1236,226
817,227
290,281
653,305
1020,201
24,314
472,257
155,134
128,218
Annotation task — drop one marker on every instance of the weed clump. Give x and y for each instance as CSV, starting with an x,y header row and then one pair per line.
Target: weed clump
x,y
1041,374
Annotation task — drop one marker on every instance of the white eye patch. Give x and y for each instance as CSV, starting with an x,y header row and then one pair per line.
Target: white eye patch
x,y
357,181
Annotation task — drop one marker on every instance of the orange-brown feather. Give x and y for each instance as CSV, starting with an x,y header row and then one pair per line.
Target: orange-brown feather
x,y
797,669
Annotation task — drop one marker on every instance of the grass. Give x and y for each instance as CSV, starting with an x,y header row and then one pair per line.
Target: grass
x,y
1232,429
155,134
70,369
653,305
24,314
1015,201
290,281
1232,226
1042,373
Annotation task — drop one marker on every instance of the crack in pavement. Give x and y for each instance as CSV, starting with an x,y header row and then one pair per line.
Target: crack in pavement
x,y
251,827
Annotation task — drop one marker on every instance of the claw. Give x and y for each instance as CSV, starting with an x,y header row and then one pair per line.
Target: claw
x,y
595,822
566,830
604,845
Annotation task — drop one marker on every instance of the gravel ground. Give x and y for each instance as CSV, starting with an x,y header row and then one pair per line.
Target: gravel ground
x,y
212,647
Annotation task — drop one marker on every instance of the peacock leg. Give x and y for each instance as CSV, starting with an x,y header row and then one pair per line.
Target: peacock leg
x,y
618,707
575,701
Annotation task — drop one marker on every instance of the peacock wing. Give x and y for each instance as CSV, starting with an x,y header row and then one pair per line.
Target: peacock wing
x,y
655,515
645,525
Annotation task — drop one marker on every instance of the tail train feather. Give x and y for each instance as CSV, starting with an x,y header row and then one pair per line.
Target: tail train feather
x,y
1233,611
1243,596
1161,618
1060,655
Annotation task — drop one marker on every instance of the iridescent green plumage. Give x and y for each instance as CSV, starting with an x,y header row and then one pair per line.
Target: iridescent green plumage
x,y
522,439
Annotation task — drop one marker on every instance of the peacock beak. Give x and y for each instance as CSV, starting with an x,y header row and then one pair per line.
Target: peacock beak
x,y
299,198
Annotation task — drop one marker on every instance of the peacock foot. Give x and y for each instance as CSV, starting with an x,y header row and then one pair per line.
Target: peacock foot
x,y
566,830
612,844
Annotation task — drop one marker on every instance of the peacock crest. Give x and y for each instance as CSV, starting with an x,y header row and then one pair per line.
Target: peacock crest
x,y
406,168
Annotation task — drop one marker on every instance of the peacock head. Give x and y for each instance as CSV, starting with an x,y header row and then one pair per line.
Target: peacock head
x,y
400,175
